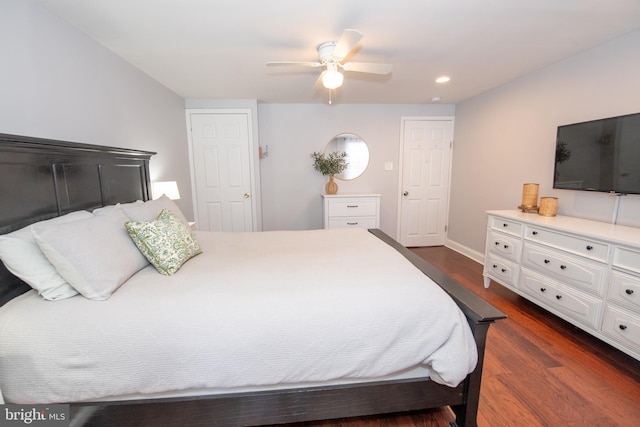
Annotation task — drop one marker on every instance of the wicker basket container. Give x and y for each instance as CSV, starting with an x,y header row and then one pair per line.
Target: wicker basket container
x,y
530,196
548,206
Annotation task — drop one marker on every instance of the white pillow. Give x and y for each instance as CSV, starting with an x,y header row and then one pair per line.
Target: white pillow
x,y
94,255
23,258
108,209
149,210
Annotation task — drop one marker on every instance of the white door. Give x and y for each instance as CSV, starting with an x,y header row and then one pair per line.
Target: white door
x,y
424,184
222,171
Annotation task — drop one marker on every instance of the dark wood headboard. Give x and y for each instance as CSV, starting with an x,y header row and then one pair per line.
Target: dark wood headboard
x,y
44,178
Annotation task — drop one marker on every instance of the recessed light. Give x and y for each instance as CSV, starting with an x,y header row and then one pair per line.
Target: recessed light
x,y
443,79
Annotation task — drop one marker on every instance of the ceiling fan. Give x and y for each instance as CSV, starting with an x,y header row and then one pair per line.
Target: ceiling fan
x,y
331,54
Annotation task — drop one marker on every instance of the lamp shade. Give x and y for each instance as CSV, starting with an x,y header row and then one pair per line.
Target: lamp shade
x,y
168,188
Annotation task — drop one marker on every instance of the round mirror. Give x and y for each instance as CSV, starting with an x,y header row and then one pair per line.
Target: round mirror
x,y
357,154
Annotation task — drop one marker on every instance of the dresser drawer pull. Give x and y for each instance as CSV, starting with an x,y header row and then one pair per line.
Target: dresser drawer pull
x,y
352,206
352,223
506,246
497,243
628,291
563,267
495,266
558,297
504,270
546,261
589,247
543,289
504,224
535,233
622,327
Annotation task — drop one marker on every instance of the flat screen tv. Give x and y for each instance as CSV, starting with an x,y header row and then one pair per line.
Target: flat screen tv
x,y
599,155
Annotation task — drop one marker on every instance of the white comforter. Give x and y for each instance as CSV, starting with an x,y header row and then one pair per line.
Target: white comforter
x,y
255,309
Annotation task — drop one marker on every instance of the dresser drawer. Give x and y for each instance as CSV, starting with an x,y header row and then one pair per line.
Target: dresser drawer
x,y
352,208
504,245
625,290
505,225
355,222
622,326
578,306
626,258
583,247
565,268
501,270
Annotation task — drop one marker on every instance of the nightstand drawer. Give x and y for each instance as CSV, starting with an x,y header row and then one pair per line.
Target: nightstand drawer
x,y
354,222
362,207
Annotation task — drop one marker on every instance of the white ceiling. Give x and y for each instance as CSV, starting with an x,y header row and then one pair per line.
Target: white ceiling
x,y
218,48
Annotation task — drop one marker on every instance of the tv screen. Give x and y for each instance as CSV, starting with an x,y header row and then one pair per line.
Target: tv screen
x,y
599,155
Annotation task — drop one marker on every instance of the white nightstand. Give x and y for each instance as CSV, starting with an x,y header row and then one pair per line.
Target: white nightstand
x,y
359,210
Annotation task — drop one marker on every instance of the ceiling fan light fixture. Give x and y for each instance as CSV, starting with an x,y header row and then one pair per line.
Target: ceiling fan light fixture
x,y
332,78
332,53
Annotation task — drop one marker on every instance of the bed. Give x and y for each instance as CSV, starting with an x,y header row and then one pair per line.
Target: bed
x,y
231,357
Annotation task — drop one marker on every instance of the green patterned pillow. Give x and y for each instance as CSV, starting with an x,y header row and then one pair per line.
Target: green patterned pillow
x,y
166,242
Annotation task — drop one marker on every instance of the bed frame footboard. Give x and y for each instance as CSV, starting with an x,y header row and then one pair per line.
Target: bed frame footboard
x,y
275,407
480,315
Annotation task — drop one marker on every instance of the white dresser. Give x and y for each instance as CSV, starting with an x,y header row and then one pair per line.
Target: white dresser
x,y
586,272
361,210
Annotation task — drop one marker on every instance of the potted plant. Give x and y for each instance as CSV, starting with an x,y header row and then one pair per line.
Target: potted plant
x,y
331,164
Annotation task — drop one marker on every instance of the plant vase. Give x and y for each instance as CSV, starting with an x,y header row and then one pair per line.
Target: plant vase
x,y
331,187
330,165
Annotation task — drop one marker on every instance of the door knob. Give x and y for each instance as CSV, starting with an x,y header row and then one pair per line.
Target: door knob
x,y
246,195
406,193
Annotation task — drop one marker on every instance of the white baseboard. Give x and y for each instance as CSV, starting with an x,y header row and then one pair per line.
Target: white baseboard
x,y
466,251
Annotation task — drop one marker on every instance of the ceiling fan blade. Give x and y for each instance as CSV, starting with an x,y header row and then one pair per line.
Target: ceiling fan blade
x,y
368,67
347,42
296,63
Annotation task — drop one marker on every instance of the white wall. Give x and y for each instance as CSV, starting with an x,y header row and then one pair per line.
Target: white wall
x,y
57,83
506,137
291,188
61,84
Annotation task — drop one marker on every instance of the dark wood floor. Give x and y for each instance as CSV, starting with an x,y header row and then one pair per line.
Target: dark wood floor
x,y
539,370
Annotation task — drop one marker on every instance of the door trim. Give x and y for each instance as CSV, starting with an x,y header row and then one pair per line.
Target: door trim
x,y
256,210
404,119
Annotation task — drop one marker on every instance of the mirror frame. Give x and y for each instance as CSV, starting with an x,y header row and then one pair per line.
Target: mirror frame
x,y
364,164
